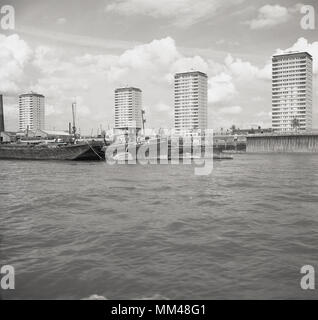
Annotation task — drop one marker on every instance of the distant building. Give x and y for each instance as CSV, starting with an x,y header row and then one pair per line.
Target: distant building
x,y
190,101
128,105
8,136
259,130
292,92
31,111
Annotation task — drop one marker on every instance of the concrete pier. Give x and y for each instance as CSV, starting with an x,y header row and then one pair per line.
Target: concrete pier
x,y
279,143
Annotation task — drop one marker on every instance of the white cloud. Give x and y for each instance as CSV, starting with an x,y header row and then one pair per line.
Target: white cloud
x,y
51,110
257,99
231,110
49,60
234,71
227,43
14,54
82,109
185,64
245,71
302,44
266,72
221,88
71,39
184,12
61,21
162,107
163,52
241,69
10,110
264,115
272,15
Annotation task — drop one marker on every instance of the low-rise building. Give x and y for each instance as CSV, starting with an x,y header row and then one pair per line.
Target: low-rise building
x,y
8,136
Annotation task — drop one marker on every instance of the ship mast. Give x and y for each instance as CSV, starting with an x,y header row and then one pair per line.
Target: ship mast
x,y
143,120
73,114
1,115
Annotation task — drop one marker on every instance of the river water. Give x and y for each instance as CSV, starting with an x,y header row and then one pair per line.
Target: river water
x,y
76,229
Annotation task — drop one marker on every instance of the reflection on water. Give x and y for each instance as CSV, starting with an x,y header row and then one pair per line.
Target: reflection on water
x,y
73,230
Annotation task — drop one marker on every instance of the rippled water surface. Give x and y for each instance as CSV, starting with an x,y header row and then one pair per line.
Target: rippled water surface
x,y
74,229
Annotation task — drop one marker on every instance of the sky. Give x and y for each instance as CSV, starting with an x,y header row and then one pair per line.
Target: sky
x,y
83,50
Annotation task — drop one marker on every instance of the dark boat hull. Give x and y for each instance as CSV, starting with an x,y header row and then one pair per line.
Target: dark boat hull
x,y
83,151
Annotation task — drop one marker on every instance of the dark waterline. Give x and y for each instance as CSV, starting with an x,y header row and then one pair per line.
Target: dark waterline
x,y
74,229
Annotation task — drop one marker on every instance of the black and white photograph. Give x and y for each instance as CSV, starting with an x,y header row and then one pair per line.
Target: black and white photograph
x,y
158,150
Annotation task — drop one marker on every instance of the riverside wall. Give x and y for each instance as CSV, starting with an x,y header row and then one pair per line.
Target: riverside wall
x,y
289,143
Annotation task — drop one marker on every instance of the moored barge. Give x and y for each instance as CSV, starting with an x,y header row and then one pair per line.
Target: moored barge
x,y
80,151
